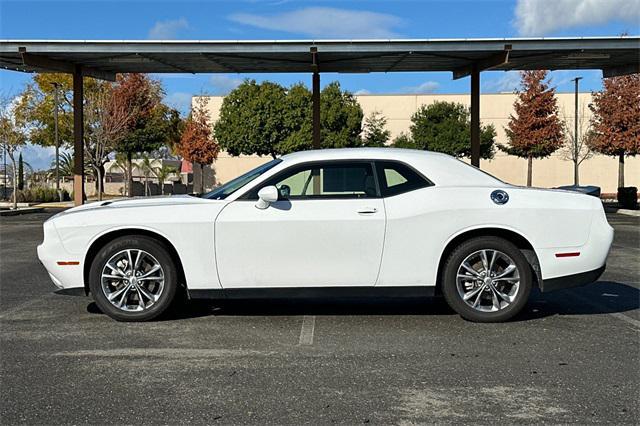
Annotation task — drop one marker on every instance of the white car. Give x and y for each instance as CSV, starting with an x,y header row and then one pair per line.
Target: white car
x,y
344,222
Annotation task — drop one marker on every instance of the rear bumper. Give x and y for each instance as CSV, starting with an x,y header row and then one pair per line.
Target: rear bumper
x,y
574,280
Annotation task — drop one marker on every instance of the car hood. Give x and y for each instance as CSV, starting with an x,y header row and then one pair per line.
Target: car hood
x,y
139,202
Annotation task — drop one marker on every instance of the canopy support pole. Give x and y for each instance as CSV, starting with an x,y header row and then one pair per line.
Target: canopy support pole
x,y
78,137
475,116
315,99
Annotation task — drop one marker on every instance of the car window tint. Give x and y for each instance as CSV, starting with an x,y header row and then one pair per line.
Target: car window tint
x,y
397,178
338,180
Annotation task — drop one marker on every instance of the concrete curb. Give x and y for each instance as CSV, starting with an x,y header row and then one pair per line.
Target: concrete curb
x,y
629,212
26,210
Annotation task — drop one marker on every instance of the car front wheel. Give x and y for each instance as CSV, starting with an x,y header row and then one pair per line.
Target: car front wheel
x,y
133,279
487,279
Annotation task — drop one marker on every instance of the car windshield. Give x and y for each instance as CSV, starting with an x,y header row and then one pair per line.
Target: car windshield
x,y
233,185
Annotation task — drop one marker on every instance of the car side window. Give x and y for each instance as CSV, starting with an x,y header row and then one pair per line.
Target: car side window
x,y
397,178
328,180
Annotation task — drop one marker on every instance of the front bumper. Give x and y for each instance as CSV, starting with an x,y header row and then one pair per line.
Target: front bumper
x,y
574,280
65,269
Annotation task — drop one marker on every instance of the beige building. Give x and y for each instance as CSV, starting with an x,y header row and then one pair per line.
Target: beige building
x,y
494,109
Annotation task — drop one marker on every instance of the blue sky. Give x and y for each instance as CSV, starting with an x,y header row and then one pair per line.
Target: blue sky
x,y
282,19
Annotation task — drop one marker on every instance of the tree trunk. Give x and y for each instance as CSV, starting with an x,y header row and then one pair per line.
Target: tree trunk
x,y
621,170
99,176
15,186
130,173
529,170
161,182
201,178
576,174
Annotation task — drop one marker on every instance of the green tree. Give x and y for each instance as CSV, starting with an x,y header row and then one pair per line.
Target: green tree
x,y
403,140
36,104
20,173
267,119
163,173
13,136
340,118
251,119
446,127
375,132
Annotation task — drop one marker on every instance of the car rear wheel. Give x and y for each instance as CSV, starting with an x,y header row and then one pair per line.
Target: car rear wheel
x,y
133,279
487,279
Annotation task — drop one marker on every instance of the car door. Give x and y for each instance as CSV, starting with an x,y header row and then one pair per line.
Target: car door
x,y
326,229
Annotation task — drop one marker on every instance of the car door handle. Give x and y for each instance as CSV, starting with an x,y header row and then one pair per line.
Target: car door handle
x,y
367,210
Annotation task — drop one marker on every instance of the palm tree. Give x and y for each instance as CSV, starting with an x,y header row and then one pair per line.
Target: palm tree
x,y
120,164
162,173
147,168
65,164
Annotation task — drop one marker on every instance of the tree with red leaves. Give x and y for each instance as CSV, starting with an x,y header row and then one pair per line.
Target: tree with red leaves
x,y
197,143
536,130
616,119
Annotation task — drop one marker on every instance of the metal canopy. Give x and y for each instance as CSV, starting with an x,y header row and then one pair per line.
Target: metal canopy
x,y
463,57
613,55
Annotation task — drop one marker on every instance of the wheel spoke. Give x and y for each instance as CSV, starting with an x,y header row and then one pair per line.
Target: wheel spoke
x,y
149,272
509,269
478,297
124,296
485,261
472,293
469,268
139,257
150,278
146,294
113,277
503,296
140,298
492,261
494,299
117,293
130,261
116,269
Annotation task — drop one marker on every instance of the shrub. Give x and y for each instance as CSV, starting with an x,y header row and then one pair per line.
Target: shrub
x,y
41,194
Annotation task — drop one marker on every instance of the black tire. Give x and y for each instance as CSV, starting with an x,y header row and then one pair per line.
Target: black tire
x,y
469,247
155,249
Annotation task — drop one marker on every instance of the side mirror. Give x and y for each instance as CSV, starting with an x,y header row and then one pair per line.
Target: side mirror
x,y
266,196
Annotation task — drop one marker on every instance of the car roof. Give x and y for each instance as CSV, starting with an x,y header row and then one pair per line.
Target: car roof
x,y
361,154
441,169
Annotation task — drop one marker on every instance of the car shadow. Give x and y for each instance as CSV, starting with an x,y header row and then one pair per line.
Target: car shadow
x,y
602,297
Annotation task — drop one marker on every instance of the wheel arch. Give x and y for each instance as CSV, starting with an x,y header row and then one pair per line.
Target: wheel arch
x,y
102,240
508,234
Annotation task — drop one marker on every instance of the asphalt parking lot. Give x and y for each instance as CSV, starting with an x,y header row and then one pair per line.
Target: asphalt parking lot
x,y
573,356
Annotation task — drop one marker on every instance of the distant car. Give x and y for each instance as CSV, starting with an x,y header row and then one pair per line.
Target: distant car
x,y
346,222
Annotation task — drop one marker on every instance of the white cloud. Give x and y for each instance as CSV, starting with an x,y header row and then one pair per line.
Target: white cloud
x,y
166,30
507,82
423,88
542,17
223,84
362,92
325,22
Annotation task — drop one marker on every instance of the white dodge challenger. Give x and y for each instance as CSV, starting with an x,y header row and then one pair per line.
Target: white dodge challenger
x,y
341,223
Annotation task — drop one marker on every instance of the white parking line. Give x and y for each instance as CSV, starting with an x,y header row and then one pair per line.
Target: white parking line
x,y
306,332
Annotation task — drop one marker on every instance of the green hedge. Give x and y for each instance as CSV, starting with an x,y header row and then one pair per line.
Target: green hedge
x,y
41,195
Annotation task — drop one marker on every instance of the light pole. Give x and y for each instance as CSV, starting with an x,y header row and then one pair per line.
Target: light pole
x,y
576,147
55,130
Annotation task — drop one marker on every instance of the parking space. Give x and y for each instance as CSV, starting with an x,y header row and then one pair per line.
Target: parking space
x,y
571,357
